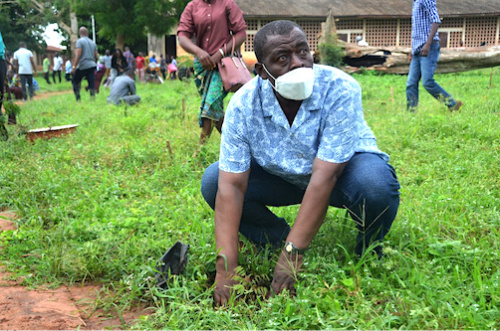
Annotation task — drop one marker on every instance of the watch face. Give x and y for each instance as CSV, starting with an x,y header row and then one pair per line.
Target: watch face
x,y
289,247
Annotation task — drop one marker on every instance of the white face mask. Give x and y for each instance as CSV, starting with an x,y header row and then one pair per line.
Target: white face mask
x,y
296,84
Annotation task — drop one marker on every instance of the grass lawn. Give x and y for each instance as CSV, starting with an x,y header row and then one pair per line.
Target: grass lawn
x,y
104,204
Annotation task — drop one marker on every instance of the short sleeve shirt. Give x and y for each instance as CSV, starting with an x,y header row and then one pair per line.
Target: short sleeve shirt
x,y
87,59
329,125
23,57
211,23
424,13
58,63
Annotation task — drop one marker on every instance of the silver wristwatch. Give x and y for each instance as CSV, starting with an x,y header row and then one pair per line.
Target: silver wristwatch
x,y
290,248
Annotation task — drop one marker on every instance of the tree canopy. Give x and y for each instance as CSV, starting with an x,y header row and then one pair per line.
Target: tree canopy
x,y
127,21
118,21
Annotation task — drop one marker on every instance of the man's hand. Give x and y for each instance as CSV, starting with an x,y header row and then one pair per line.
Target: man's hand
x,y
286,272
73,70
205,60
425,50
223,284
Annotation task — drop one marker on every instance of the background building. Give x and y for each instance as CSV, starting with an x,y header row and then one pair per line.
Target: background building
x,y
381,23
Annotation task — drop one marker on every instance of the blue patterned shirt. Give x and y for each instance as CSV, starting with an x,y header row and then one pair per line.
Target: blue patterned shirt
x,y
424,13
328,125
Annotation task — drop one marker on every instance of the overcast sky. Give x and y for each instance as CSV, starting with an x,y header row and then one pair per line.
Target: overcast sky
x,y
52,38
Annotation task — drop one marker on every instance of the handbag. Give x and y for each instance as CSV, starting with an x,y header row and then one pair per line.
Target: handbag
x,y
233,70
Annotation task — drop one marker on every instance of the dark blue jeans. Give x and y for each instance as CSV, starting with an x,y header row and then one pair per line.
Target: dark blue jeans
x,y
368,188
423,68
27,80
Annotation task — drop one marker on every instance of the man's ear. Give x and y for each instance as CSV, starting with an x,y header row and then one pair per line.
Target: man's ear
x,y
260,71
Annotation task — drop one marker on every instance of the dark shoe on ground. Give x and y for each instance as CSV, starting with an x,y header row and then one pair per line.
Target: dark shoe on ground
x,y
457,106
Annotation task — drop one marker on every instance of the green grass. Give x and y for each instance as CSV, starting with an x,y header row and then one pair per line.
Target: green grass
x,y
103,204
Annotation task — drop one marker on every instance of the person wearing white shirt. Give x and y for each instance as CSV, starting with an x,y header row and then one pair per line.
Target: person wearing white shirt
x,y
68,68
24,65
58,65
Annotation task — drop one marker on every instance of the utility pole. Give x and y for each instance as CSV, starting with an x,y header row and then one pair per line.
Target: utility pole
x,y
93,28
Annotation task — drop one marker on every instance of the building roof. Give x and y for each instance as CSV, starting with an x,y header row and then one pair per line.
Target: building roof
x,y
361,8
51,48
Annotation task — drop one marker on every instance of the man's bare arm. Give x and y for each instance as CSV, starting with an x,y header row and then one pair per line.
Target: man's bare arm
x,y
228,210
315,202
308,221
78,54
426,48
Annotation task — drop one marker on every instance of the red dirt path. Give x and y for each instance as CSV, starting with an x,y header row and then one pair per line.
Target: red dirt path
x,y
65,308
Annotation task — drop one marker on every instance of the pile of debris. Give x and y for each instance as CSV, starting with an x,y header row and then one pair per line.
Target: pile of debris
x,y
394,60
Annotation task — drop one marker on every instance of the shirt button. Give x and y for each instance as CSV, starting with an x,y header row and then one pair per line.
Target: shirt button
x,y
208,15
300,155
207,39
208,27
292,135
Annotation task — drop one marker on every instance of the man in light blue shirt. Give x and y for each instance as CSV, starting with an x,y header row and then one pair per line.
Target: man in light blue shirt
x,y
295,134
425,55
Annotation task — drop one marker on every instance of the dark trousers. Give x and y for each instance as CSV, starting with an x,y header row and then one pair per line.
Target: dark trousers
x,y
68,77
58,73
27,79
368,188
77,79
46,76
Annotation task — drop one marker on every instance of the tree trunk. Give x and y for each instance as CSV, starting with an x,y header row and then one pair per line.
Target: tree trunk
x,y
396,61
120,41
72,30
73,33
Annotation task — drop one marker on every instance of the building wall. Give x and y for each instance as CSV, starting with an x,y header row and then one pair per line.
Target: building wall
x,y
394,32
472,31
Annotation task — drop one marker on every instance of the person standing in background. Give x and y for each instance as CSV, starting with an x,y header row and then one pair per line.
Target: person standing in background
x,y
130,58
140,62
118,65
106,59
425,49
25,67
214,23
46,68
85,63
57,69
68,68
163,66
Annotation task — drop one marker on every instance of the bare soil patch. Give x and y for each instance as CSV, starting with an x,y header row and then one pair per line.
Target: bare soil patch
x,y
44,95
64,308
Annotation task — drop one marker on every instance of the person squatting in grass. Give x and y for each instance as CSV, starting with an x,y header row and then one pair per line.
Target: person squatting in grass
x,y
424,56
212,22
85,63
295,134
123,89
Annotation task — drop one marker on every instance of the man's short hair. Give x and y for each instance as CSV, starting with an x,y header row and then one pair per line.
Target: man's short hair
x,y
275,28
130,73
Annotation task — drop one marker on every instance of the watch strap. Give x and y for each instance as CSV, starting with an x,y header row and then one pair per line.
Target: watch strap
x,y
290,248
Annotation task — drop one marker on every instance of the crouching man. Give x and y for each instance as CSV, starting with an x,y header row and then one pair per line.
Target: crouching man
x,y
123,90
294,135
